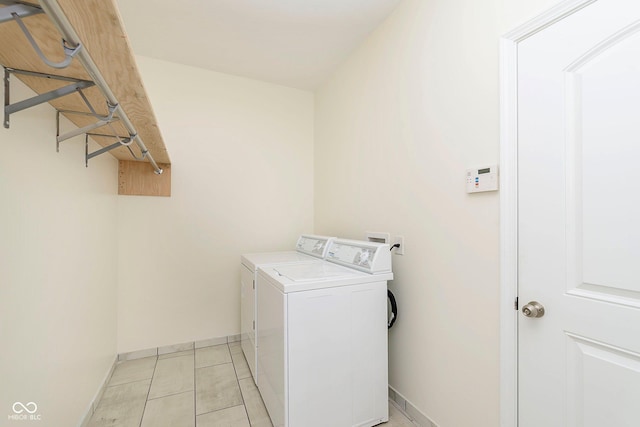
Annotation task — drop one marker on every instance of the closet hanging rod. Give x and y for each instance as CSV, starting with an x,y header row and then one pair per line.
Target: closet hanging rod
x,y
59,19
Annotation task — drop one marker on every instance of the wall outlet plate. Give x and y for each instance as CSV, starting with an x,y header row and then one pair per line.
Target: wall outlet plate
x,y
400,240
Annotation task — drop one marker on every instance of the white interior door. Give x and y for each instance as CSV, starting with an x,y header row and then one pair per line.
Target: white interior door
x,y
579,219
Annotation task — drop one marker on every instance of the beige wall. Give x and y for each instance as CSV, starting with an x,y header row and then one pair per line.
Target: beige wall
x,y
242,181
399,123
57,269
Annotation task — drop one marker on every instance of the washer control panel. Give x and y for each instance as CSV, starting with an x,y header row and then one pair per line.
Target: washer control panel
x,y
366,256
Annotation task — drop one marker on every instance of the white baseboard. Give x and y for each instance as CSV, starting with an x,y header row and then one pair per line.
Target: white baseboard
x,y
408,409
84,422
158,351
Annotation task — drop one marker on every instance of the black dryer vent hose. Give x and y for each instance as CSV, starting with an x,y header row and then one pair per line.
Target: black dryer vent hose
x,y
394,309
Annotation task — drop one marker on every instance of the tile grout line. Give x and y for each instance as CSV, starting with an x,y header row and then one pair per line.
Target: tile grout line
x,y
125,383
168,395
148,391
244,402
237,382
232,363
217,364
236,375
221,409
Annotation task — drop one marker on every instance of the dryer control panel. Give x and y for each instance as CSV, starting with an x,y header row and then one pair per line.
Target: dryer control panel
x,y
366,256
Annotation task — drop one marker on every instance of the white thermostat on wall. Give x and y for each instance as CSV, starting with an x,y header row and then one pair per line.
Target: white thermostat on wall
x,y
482,179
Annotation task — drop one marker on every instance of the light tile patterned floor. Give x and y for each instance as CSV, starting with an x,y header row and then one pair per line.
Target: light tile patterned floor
x,y
208,387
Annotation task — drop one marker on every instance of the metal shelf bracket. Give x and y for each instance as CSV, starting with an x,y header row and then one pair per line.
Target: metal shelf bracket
x,y
122,141
75,86
102,120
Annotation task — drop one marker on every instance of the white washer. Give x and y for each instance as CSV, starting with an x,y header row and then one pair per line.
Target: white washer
x,y
322,333
308,248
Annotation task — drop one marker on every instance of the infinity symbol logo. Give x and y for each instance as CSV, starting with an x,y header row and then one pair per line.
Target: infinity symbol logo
x,y
22,407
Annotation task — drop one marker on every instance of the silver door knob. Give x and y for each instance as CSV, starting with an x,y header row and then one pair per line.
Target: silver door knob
x,y
533,309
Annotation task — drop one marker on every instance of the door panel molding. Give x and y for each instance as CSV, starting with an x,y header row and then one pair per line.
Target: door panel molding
x,y
590,363
611,291
603,46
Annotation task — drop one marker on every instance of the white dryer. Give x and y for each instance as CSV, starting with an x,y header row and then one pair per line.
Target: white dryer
x,y
322,333
308,248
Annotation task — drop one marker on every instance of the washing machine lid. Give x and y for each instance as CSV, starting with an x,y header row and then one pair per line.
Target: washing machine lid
x,y
255,260
314,272
316,275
